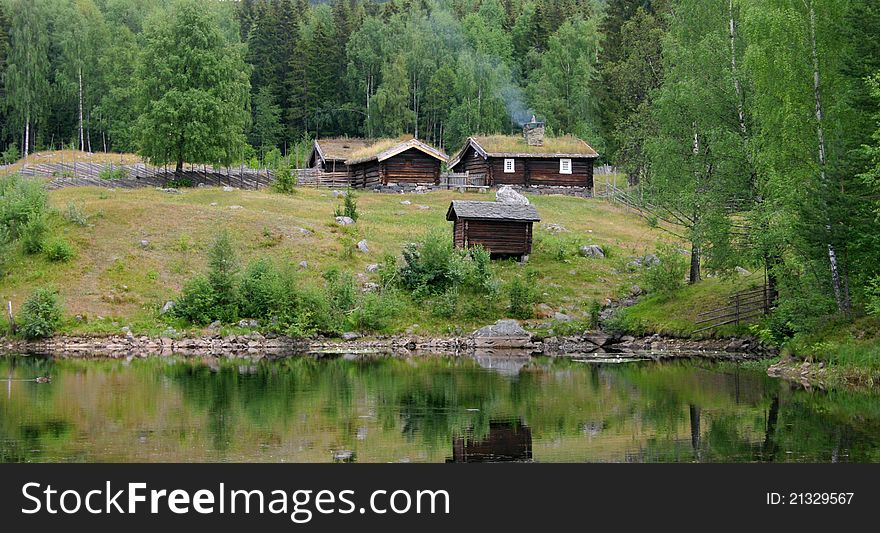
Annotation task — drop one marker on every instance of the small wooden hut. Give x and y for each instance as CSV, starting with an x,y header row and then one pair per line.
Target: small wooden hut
x,y
329,155
395,161
505,230
528,160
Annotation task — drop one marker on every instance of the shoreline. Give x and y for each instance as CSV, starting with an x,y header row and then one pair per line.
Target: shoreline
x,y
276,346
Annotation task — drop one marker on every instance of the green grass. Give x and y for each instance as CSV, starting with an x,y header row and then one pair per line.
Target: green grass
x,y
851,349
114,280
677,314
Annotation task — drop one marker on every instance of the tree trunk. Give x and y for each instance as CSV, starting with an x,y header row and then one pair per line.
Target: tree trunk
x,y
81,136
179,168
27,133
694,275
840,297
736,85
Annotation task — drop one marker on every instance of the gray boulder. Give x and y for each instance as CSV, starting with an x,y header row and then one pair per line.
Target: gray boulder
x,y
561,317
372,268
503,328
362,246
555,228
592,250
227,188
304,264
144,244
405,202
350,336
169,305
344,221
507,195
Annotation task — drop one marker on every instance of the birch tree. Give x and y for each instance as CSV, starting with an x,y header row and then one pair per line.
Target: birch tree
x,y
27,72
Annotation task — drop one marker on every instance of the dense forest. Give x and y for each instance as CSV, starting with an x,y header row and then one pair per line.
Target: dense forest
x,y
749,128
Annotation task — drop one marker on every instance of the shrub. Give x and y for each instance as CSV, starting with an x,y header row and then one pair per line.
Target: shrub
x,y
40,315
429,265
285,180
445,305
76,215
341,292
10,155
197,303
222,271
59,250
113,173
873,293
264,292
666,275
33,235
375,311
521,298
5,249
179,183
21,201
349,206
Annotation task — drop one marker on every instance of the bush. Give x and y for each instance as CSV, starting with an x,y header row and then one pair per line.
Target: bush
x,y
873,294
430,265
59,250
285,180
197,303
521,297
21,201
349,206
222,271
179,183
76,215
33,235
445,305
341,292
375,311
40,315
666,275
10,155
113,173
5,249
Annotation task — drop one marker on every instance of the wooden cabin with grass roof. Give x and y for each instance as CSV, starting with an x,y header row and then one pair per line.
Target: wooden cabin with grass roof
x,y
330,155
387,161
528,160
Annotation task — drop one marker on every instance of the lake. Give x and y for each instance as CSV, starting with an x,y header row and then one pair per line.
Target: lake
x,y
426,409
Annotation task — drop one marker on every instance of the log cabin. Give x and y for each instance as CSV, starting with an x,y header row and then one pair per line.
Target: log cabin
x,y
505,230
329,155
527,161
395,161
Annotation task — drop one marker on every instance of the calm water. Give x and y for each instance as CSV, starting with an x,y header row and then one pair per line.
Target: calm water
x,y
434,409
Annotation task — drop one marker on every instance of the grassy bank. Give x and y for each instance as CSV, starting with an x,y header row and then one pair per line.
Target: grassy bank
x,y
138,248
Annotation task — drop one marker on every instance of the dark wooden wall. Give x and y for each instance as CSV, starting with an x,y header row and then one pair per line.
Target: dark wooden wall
x,y
335,166
477,167
364,175
505,442
411,166
499,237
541,171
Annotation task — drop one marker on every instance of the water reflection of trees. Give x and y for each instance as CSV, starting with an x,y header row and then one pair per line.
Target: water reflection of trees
x,y
303,407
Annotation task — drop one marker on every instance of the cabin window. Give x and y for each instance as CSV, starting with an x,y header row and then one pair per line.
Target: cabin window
x,y
565,166
509,167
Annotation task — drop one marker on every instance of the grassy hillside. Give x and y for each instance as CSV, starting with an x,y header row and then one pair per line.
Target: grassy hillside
x,y
116,279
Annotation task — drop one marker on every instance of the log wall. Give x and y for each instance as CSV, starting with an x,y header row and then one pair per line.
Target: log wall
x,y
411,166
499,237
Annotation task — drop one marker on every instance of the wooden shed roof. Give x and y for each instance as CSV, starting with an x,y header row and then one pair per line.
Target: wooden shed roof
x,y
491,211
382,149
515,146
339,149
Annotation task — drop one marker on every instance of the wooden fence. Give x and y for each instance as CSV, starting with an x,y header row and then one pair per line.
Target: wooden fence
x,y
741,307
462,180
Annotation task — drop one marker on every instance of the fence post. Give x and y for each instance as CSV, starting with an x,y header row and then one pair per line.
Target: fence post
x,y
12,327
736,299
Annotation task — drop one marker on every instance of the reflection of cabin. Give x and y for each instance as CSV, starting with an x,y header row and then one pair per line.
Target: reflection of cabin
x,y
527,160
329,155
395,161
506,441
503,229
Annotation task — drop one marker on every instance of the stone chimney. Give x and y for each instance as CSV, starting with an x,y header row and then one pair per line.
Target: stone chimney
x,y
534,132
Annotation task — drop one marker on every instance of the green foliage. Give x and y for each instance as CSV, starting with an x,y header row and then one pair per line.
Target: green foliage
x,y
112,173
341,291
349,206
285,180
433,266
181,182
10,155
194,89
521,296
21,202
76,215
40,315
222,271
666,275
33,235
375,311
197,303
59,250
873,294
